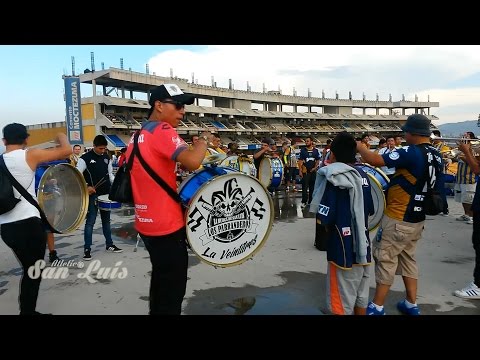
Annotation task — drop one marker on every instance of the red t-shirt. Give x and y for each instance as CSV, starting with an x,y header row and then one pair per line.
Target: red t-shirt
x,y
156,213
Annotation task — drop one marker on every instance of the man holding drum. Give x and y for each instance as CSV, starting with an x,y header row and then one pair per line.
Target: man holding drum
x,y
404,217
159,219
97,170
308,162
22,228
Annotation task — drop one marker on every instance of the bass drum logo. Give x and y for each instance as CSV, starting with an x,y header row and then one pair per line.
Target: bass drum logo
x,y
229,219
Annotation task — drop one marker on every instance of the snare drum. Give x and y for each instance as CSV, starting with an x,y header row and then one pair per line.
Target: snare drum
x,y
229,215
240,163
379,183
105,204
270,172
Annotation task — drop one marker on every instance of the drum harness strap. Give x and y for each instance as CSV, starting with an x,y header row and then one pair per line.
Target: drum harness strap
x,y
27,196
136,151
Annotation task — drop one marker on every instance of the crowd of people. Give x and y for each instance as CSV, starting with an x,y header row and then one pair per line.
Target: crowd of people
x,y
334,187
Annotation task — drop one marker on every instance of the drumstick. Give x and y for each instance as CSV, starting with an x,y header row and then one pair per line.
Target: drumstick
x,y
101,182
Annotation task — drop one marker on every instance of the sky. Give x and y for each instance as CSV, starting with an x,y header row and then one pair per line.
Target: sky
x,y
32,85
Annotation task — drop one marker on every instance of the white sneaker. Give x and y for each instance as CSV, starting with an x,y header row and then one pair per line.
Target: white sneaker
x,y
471,291
463,218
470,220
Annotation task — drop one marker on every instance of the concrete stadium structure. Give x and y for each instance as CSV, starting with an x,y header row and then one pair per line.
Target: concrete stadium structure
x,y
237,115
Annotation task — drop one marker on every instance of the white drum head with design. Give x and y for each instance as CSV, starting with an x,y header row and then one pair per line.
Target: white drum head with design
x,y
378,198
229,219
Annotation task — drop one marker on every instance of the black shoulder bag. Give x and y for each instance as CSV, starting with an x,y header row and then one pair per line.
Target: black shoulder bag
x,y
123,188
7,198
26,195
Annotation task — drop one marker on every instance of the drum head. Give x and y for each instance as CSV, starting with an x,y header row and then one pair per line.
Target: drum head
x,y
378,198
265,172
63,196
229,219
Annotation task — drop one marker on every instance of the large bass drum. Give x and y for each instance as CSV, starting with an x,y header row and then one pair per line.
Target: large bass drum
x,y
379,183
229,215
270,172
63,196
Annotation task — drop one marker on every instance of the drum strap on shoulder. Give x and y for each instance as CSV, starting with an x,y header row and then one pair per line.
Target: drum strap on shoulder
x,y
27,196
154,175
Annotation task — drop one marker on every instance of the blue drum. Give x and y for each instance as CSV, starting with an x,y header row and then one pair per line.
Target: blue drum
x,y
379,183
270,172
200,177
105,204
378,174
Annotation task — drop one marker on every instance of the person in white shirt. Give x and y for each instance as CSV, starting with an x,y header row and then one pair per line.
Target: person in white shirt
x,y
386,150
22,228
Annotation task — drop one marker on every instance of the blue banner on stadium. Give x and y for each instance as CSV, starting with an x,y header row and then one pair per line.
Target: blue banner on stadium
x,y
73,110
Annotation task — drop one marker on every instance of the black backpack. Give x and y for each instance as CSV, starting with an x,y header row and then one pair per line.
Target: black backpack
x,y
433,201
7,200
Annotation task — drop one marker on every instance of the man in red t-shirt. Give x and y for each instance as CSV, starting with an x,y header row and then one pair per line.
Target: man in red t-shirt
x,y
158,218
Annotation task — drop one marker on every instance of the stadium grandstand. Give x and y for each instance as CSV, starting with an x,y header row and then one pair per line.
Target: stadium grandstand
x,y
119,104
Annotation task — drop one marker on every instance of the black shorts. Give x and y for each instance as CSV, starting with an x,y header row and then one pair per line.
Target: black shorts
x,y
290,174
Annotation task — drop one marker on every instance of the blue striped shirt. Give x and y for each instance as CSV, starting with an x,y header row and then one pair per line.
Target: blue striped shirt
x,y
465,174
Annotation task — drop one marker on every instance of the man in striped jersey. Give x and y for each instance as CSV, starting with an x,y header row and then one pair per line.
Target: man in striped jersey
x,y
465,185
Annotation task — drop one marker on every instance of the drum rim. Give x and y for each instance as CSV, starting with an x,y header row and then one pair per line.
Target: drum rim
x,y
374,179
196,172
82,214
377,169
262,242
109,204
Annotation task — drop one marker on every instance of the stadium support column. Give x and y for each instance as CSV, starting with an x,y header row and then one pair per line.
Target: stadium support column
x,y
94,97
